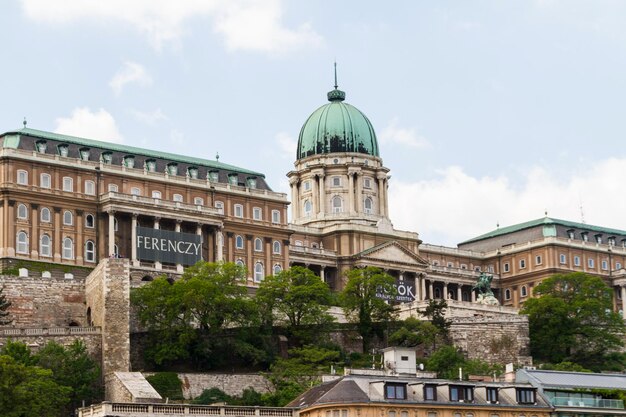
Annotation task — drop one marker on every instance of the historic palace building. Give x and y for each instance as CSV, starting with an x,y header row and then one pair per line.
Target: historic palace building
x,y
68,202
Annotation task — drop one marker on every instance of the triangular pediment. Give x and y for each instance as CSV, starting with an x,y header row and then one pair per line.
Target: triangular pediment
x,y
392,252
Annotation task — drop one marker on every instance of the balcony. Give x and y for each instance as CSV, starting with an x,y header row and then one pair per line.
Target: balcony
x,y
587,403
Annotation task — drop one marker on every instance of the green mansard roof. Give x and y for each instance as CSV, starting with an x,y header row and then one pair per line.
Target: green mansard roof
x,y
123,149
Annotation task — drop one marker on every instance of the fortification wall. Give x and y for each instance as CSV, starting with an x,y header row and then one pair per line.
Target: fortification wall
x,y
498,341
231,384
45,302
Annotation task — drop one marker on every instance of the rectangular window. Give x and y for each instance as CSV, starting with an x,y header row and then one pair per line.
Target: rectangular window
x,y
590,263
605,265
275,216
461,393
395,391
306,185
507,267
525,396
22,177
492,395
220,207
522,263
430,392
198,201
336,181
367,183
135,191
618,265
562,259
538,260
257,213
576,260
44,181
68,184
238,210
178,198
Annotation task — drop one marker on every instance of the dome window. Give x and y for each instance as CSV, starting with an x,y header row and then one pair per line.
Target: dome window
x,y
150,165
337,204
307,208
64,149
84,153
129,161
368,206
336,181
41,146
367,183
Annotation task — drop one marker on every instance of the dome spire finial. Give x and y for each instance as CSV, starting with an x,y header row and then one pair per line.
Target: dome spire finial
x,y
336,94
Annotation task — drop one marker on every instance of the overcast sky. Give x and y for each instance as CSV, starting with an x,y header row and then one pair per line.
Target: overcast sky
x,y
486,112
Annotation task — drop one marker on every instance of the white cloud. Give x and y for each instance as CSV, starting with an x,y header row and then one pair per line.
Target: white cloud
x,y
245,24
456,206
393,134
286,145
92,125
150,118
131,72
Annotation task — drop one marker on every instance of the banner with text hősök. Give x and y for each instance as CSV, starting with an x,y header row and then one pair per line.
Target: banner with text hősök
x,y
167,246
405,292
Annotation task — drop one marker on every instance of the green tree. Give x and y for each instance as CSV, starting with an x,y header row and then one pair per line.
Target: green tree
x,y
572,319
295,297
415,332
72,367
27,390
190,317
447,360
4,306
362,303
435,311
18,351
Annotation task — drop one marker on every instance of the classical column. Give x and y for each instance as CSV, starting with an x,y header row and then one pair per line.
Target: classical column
x,y
473,292
322,268
249,259
423,292
315,196
133,240
57,233
157,225
219,243
295,200
358,192
269,268
11,228
80,248
286,253
111,233
445,290
351,192
3,230
34,233
322,194
179,267
459,293
431,290
623,288
381,195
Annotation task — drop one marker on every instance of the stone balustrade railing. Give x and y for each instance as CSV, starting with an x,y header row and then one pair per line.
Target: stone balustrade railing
x,y
48,331
175,410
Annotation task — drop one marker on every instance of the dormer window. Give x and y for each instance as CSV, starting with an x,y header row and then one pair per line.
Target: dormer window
x,y
129,161
525,395
172,168
461,393
492,395
251,182
192,172
64,149
213,176
84,153
570,234
106,157
395,391
233,179
41,146
430,392
598,239
150,165
611,241
585,236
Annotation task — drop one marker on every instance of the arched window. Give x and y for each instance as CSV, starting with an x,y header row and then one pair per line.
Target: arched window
x,y
198,201
68,184
22,212
368,205
308,207
258,272
45,181
116,251
90,221
45,248
45,215
277,269
177,197
22,177
239,242
156,194
22,242
276,247
68,248
112,188
68,218
90,187
147,278
238,208
240,263
135,191
337,204
115,224
258,245
90,251
524,291
507,294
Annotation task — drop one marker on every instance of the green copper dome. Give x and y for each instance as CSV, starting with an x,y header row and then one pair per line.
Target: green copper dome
x,y
337,127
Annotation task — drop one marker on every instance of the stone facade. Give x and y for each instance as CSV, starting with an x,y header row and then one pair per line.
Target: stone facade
x,y
231,384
